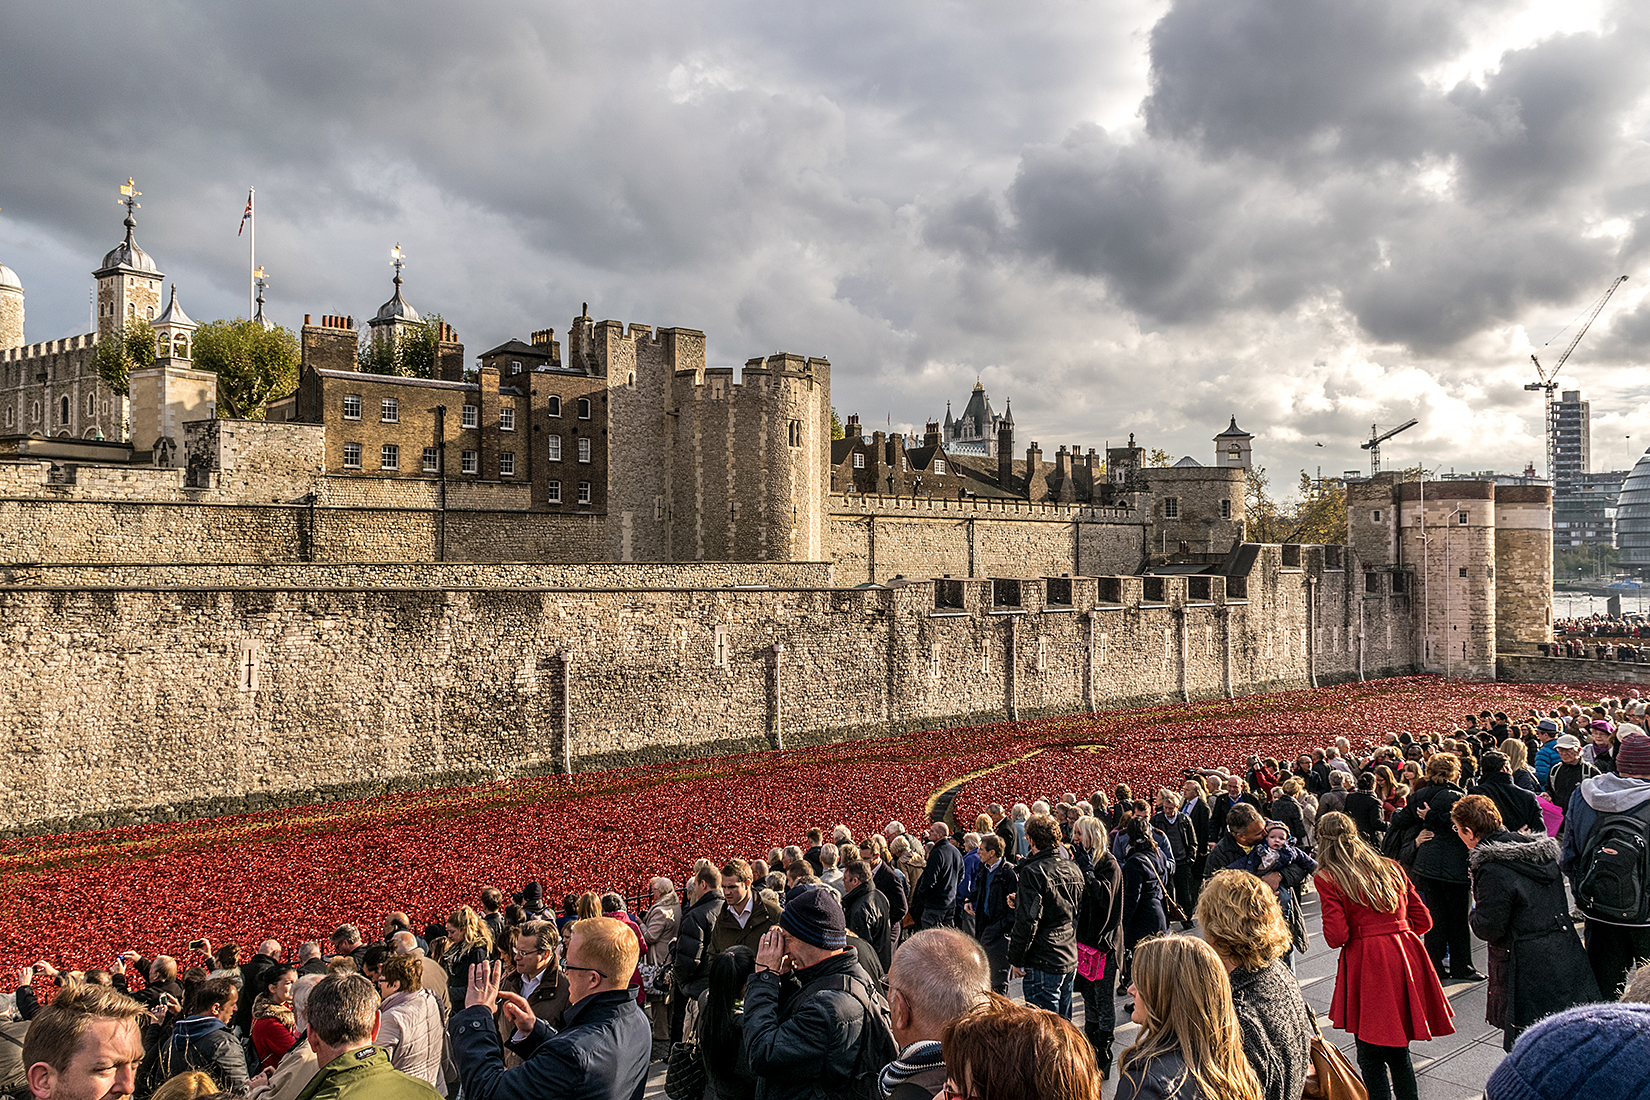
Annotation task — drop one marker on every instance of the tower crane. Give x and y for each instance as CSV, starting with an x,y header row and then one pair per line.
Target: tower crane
x,y
1377,437
1546,385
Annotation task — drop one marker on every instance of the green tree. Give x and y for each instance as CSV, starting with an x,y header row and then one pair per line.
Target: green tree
x,y
1320,515
123,351
254,365
413,353
1267,522
836,425
1159,457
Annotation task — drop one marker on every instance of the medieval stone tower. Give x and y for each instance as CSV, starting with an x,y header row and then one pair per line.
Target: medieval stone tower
x,y
128,285
11,309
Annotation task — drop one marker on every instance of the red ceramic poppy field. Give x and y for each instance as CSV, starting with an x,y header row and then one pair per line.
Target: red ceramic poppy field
x,y
77,900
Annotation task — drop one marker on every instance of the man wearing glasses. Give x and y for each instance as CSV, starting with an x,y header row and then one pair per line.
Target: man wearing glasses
x,y
539,979
600,1054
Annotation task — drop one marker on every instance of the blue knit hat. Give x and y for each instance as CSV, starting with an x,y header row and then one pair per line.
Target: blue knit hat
x,y
1600,1052
815,916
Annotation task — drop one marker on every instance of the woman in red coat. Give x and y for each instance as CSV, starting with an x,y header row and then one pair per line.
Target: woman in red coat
x,y
1387,993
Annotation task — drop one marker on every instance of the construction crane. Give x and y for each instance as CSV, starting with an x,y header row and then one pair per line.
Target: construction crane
x,y
1376,438
1546,384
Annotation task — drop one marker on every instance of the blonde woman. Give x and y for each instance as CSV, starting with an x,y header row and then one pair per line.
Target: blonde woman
x,y
468,942
1518,765
1387,993
1189,1047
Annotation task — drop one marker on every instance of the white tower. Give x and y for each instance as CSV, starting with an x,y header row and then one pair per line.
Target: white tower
x,y
1232,447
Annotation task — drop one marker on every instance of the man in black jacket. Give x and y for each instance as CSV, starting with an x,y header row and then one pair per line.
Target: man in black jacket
x,y
893,886
1043,945
934,901
690,962
1177,828
866,910
1567,774
812,1024
202,1041
252,972
1520,811
993,916
1221,809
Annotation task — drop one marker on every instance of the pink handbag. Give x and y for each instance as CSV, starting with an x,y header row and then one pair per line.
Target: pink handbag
x,y
1552,814
1091,963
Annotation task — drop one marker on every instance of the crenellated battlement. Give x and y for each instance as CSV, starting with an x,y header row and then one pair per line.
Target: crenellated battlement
x,y
49,347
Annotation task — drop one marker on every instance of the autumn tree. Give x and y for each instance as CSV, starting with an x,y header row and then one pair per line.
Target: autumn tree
x,y
254,365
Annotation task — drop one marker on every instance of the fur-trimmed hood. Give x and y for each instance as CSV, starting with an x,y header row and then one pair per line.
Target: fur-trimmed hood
x,y
1535,857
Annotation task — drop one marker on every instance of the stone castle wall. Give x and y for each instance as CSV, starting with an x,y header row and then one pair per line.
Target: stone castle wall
x,y
422,575
235,687
873,538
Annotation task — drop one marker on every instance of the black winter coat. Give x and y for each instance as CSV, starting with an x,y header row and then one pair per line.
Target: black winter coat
x,y
1288,811
1181,834
1100,921
803,1043
1365,811
888,880
1143,913
1045,913
866,911
601,1053
1222,806
936,887
1519,808
1444,857
993,917
1537,963
692,958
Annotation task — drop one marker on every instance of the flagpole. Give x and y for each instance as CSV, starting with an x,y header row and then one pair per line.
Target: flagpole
x,y
252,250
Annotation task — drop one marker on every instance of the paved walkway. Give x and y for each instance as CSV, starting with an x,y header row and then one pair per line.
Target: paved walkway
x,y
1452,1068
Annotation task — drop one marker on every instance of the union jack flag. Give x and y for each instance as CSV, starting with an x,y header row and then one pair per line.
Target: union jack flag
x,y
246,217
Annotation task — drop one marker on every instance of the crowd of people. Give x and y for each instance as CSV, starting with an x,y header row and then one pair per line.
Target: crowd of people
x,y
880,966
1600,637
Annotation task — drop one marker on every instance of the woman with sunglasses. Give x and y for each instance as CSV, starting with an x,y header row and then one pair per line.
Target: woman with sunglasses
x,y
1008,1051
1190,1046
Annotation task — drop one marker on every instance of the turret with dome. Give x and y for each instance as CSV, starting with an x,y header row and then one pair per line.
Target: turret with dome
x,y
128,283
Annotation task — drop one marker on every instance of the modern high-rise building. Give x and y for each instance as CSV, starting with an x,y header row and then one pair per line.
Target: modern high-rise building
x,y
1571,442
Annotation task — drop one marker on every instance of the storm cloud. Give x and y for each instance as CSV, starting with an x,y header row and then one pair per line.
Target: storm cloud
x,y
1312,216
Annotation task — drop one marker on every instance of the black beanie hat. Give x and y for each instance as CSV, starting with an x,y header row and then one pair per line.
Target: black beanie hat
x,y
814,916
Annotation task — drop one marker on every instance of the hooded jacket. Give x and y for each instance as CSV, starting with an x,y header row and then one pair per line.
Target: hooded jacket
x,y
1519,808
1602,794
1045,913
1536,961
693,954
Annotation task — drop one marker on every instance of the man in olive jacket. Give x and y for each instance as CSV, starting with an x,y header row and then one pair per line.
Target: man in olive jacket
x,y
745,914
343,1021
1043,945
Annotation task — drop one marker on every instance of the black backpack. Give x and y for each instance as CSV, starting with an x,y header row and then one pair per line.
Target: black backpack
x,y
877,1046
1614,883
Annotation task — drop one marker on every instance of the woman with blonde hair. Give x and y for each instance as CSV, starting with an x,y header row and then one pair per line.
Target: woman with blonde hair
x,y
1243,922
1518,765
189,1085
468,942
1189,1047
1386,992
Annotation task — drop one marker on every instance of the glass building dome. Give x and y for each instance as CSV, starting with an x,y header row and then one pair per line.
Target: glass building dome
x,y
1633,517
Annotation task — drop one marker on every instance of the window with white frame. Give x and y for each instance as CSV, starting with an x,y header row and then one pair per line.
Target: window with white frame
x,y
352,456
507,464
352,406
470,462
584,492
554,447
939,465
553,493
472,416
390,410
1171,507
859,460
507,419
584,450
432,460
515,366
389,457
553,406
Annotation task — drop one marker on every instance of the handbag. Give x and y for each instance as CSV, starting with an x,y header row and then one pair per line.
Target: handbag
x,y
1091,963
1171,908
1333,1075
685,1074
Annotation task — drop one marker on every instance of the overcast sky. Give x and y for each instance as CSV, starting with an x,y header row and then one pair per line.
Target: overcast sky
x,y
1128,216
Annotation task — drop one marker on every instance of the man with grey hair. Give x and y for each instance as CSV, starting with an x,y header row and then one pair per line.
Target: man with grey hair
x,y
310,960
346,940
830,874
659,925
789,855
343,1021
938,975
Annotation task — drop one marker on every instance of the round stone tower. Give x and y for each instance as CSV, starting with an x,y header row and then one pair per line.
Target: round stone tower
x,y
11,309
